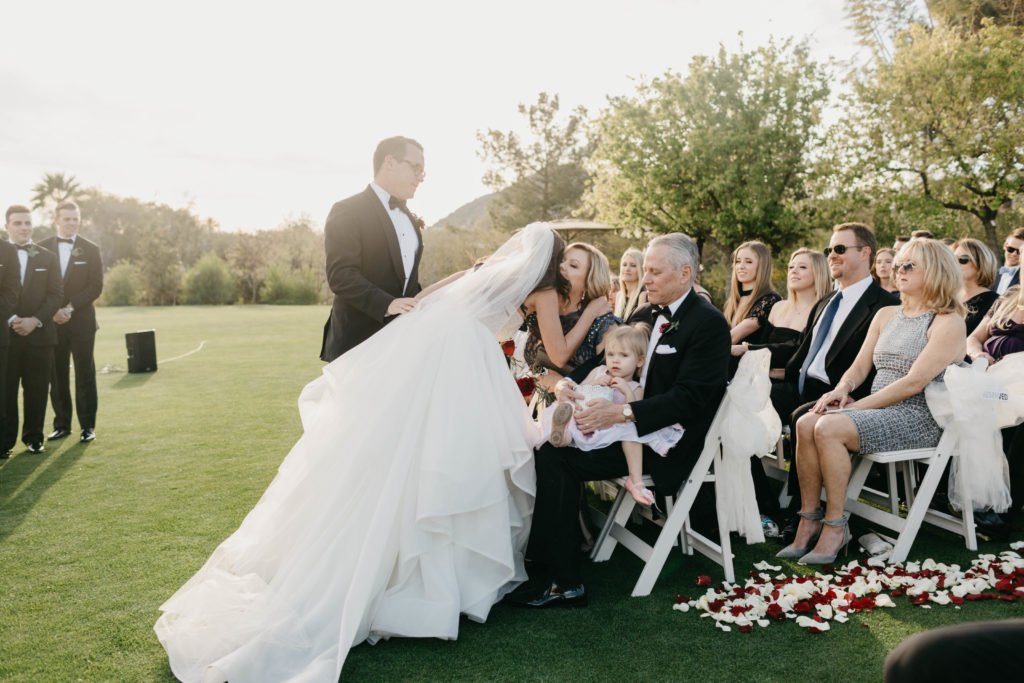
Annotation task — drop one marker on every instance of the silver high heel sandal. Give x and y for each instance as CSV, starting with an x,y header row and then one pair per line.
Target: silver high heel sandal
x,y
822,558
791,552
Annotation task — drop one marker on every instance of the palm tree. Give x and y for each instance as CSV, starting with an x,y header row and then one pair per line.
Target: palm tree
x,y
53,189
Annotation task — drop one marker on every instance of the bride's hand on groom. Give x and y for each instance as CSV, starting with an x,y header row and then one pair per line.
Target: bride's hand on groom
x,y
401,305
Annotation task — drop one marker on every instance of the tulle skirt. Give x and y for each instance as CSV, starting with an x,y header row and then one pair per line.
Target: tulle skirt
x,y
405,503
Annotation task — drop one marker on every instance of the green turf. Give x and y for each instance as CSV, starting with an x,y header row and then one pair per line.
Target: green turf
x,y
94,537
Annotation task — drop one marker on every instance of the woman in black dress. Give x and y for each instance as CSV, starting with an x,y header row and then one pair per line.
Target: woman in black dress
x,y
979,267
751,294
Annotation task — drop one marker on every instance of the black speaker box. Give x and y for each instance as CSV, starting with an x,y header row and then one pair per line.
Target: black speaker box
x,y
141,351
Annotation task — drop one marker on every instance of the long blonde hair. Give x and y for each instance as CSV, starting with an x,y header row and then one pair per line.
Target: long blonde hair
x,y
819,269
943,279
734,313
1006,306
982,257
599,274
624,301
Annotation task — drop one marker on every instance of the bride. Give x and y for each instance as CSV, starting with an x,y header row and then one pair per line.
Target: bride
x,y
405,503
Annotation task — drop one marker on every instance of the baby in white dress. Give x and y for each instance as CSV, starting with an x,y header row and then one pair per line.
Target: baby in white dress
x,y
624,349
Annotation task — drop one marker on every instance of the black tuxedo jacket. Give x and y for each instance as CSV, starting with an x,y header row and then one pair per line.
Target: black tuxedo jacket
x,y
685,384
1014,281
849,339
10,287
364,270
41,294
82,283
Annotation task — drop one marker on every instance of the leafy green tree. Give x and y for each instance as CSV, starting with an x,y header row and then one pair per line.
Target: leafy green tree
x,y
943,121
209,281
123,285
250,259
722,153
542,178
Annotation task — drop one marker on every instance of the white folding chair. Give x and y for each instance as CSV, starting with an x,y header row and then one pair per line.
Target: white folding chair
x,y
675,526
775,467
883,508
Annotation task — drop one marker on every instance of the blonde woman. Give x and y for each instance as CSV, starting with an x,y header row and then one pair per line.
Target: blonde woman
x,y
751,295
631,294
909,346
979,267
882,269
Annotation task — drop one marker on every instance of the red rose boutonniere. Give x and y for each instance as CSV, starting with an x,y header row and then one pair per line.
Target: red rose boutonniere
x,y
417,221
508,348
526,386
669,327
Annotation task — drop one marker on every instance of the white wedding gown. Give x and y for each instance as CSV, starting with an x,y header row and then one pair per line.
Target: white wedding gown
x,y
405,503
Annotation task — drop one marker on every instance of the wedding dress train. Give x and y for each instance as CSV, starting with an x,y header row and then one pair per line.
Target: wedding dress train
x,y
405,503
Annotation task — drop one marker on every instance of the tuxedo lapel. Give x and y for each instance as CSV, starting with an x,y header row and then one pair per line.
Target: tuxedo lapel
x,y
388,228
858,315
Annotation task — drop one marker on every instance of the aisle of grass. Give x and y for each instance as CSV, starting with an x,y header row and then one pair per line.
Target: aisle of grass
x,y
93,538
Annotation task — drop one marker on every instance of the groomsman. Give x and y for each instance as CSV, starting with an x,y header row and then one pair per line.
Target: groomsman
x,y
81,269
33,334
10,290
1009,273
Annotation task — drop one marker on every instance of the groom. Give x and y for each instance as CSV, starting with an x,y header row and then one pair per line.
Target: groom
x,y
684,377
373,247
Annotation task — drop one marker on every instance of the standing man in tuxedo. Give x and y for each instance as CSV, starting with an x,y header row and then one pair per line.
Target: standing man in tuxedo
x,y
81,269
835,329
10,291
33,333
1009,273
373,247
684,377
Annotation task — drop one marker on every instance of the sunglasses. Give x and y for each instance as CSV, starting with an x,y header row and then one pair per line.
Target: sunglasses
x,y
904,267
840,249
1011,250
417,169
964,260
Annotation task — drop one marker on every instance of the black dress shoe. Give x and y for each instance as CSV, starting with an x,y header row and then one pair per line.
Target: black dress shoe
x,y
58,434
551,596
88,435
34,447
4,454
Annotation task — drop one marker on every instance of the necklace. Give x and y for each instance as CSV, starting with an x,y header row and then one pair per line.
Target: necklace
x,y
746,292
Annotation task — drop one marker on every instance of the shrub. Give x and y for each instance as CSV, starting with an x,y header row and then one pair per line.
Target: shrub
x,y
284,286
209,281
123,285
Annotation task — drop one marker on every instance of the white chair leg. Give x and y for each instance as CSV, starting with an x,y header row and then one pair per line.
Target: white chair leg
x,y
617,515
915,515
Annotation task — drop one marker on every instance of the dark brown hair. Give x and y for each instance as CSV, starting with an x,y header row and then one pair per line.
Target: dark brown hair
x,y
16,208
553,278
394,147
864,236
66,206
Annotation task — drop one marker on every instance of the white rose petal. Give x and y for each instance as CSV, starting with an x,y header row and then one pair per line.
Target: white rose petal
x,y
825,611
764,566
763,623
884,600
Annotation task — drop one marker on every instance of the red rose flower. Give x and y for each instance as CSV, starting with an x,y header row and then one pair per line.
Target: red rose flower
x,y
526,386
509,347
703,580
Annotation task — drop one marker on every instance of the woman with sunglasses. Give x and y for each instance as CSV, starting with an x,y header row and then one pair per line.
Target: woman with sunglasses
x,y
978,265
909,347
751,295
882,270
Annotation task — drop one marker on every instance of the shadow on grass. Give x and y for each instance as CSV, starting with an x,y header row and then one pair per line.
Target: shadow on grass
x,y
15,471
133,379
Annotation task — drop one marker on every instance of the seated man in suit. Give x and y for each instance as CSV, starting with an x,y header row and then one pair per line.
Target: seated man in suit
x,y
684,378
836,328
33,334
1009,273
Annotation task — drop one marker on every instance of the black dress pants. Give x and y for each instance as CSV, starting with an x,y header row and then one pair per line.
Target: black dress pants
x,y
28,367
80,348
555,534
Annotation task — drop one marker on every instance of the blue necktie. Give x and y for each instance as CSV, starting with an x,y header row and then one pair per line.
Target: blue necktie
x,y
819,338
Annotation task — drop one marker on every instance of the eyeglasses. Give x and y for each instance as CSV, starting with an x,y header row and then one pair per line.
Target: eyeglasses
x,y
840,249
964,260
904,267
1011,250
417,169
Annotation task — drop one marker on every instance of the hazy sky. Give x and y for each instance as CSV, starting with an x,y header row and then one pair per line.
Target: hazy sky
x,y
255,112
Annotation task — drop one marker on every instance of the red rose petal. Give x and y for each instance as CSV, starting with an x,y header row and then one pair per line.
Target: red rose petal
x,y
746,629
703,580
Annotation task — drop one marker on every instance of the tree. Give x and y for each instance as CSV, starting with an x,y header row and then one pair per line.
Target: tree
x,y
722,153
541,179
249,257
943,121
209,281
53,189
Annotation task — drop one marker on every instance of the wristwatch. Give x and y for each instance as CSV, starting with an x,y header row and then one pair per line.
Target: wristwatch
x,y
627,412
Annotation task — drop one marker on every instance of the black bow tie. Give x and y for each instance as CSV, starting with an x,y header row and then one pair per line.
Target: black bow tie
x,y
396,203
24,247
67,240
657,310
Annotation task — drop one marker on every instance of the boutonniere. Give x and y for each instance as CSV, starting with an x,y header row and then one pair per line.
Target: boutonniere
x,y
669,327
76,252
32,251
418,222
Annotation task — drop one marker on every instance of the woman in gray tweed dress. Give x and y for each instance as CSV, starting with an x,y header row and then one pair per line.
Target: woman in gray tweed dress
x,y
910,346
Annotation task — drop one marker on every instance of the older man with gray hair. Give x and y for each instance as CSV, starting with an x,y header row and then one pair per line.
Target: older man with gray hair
x,y
684,376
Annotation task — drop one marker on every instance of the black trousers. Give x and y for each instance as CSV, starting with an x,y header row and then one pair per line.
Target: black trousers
x,y
28,367
80,348
986,650
555,534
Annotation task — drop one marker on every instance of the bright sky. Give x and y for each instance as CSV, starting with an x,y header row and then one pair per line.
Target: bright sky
x,y
255,112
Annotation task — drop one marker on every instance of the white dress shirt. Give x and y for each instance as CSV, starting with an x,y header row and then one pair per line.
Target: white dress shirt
x,y
408,242
851,295
656,334
1006,274
64,252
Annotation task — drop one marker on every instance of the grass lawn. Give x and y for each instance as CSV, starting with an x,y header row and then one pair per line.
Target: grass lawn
x,y
93,538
